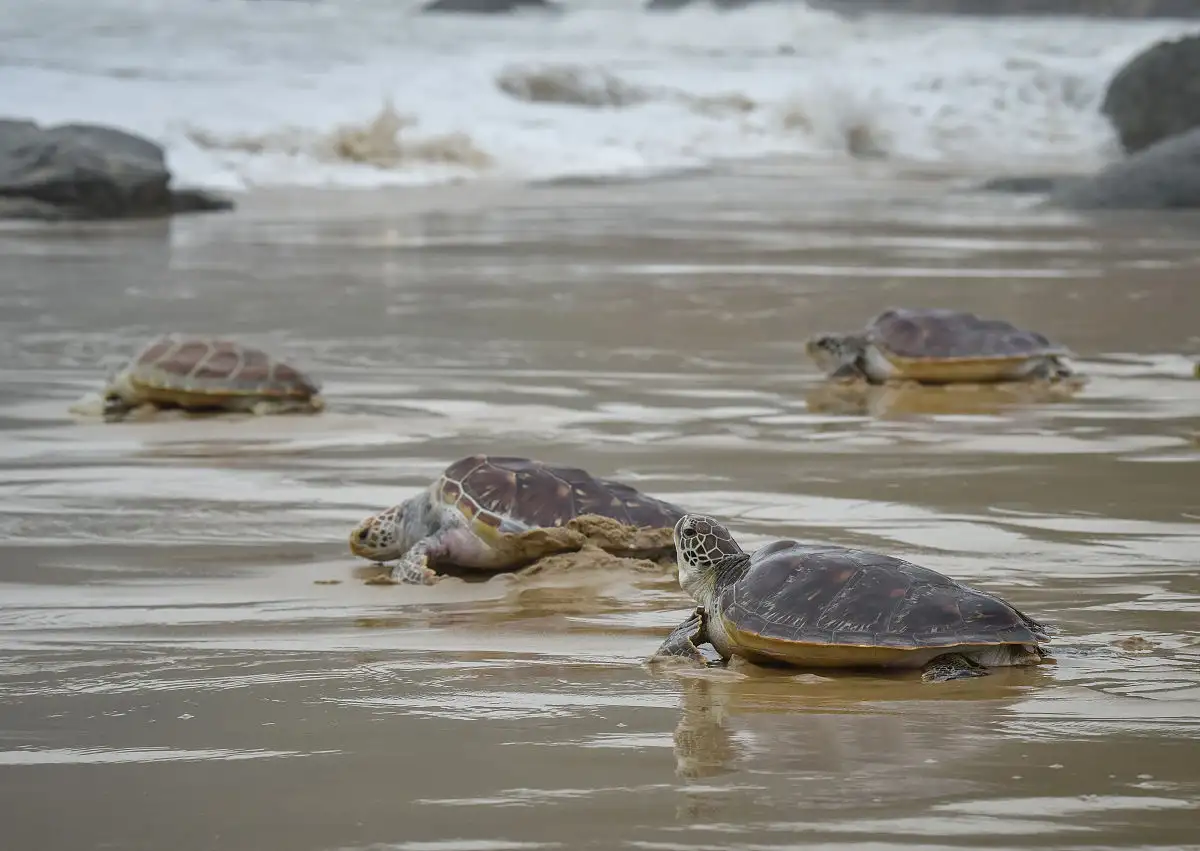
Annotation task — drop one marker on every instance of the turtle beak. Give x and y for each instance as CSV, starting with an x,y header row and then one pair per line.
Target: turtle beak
x,y
360,540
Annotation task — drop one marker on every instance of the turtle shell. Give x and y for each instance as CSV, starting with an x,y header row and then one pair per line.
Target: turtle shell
x,y
197,371
833,606
514,494
952,345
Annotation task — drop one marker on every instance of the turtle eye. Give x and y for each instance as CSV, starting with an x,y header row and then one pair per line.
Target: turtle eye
x,y
364,534
688,532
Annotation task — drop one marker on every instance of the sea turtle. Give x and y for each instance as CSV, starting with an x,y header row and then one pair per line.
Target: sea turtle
x,y
939,346
823,606
491,513
208,374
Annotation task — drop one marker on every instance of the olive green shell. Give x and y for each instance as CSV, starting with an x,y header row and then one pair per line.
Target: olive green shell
x,y
849,606
513,494
181,369
946,342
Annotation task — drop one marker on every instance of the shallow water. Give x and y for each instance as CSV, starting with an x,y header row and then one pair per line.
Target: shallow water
x,y
191,660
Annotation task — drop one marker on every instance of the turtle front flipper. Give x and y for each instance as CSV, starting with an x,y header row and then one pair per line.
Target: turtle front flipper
x,y
683,644
413,567
1050,368
952,666
116,408
849,373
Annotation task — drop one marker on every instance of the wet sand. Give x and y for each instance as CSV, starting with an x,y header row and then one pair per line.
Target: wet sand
x,y
190,659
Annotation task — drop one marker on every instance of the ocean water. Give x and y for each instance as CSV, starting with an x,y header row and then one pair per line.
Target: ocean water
x,y
247,93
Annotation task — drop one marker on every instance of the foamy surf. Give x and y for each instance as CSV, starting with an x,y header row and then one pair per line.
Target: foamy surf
x,y
368,93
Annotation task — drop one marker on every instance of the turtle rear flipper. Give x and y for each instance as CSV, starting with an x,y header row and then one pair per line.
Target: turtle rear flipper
x,y
952,666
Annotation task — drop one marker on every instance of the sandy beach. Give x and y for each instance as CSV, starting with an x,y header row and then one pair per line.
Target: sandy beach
x,y
189,656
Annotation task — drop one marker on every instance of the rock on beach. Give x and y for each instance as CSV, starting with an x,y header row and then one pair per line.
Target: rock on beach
x,y
73,172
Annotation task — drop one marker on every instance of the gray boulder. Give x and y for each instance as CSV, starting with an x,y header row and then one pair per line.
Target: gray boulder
x,y
1033,184
1089,8
1165,176
487,7
1156,94
672,5
87,171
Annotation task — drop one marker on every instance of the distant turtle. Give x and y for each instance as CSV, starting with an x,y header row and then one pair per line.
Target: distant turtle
x,y
207,374
831,607
938,346
492,513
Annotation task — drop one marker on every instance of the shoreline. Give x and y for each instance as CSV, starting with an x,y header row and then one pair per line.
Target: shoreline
x,y
884,178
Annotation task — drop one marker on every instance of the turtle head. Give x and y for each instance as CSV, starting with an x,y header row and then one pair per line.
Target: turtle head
x,y
378,536
832,352
705,553
390,533
119,396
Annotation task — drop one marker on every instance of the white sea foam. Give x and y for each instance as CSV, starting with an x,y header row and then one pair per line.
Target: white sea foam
x,y
365,92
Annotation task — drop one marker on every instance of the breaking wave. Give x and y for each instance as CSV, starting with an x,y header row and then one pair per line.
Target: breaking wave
x,y
386,141
365,93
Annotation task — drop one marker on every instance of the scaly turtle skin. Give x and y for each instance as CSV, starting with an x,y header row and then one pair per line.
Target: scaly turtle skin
x,y
207,374
474,512
939,347
833,607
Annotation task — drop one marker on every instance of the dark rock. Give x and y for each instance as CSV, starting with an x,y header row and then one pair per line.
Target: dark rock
x,y
87,171
15,126
1165,176
1035,184
672,5
30,208
1088,8
1156,94
198,201
487,7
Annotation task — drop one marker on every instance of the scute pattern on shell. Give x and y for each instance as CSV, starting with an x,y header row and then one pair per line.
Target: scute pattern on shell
x,y
490,489
954,334
838,596
206,365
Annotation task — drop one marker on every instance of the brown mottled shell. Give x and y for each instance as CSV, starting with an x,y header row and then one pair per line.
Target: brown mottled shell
x,y
953,344
845,606
176,365
513,494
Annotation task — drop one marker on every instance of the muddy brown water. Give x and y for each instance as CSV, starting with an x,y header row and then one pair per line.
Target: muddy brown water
x,y
178,670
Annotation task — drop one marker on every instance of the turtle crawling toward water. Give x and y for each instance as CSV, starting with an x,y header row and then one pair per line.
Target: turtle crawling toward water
x,y
208,374
490,513
939,346
833,607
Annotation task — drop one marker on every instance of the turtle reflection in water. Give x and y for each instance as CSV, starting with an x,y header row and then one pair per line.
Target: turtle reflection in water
x,y
833,607
488,513
207,374
938,346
